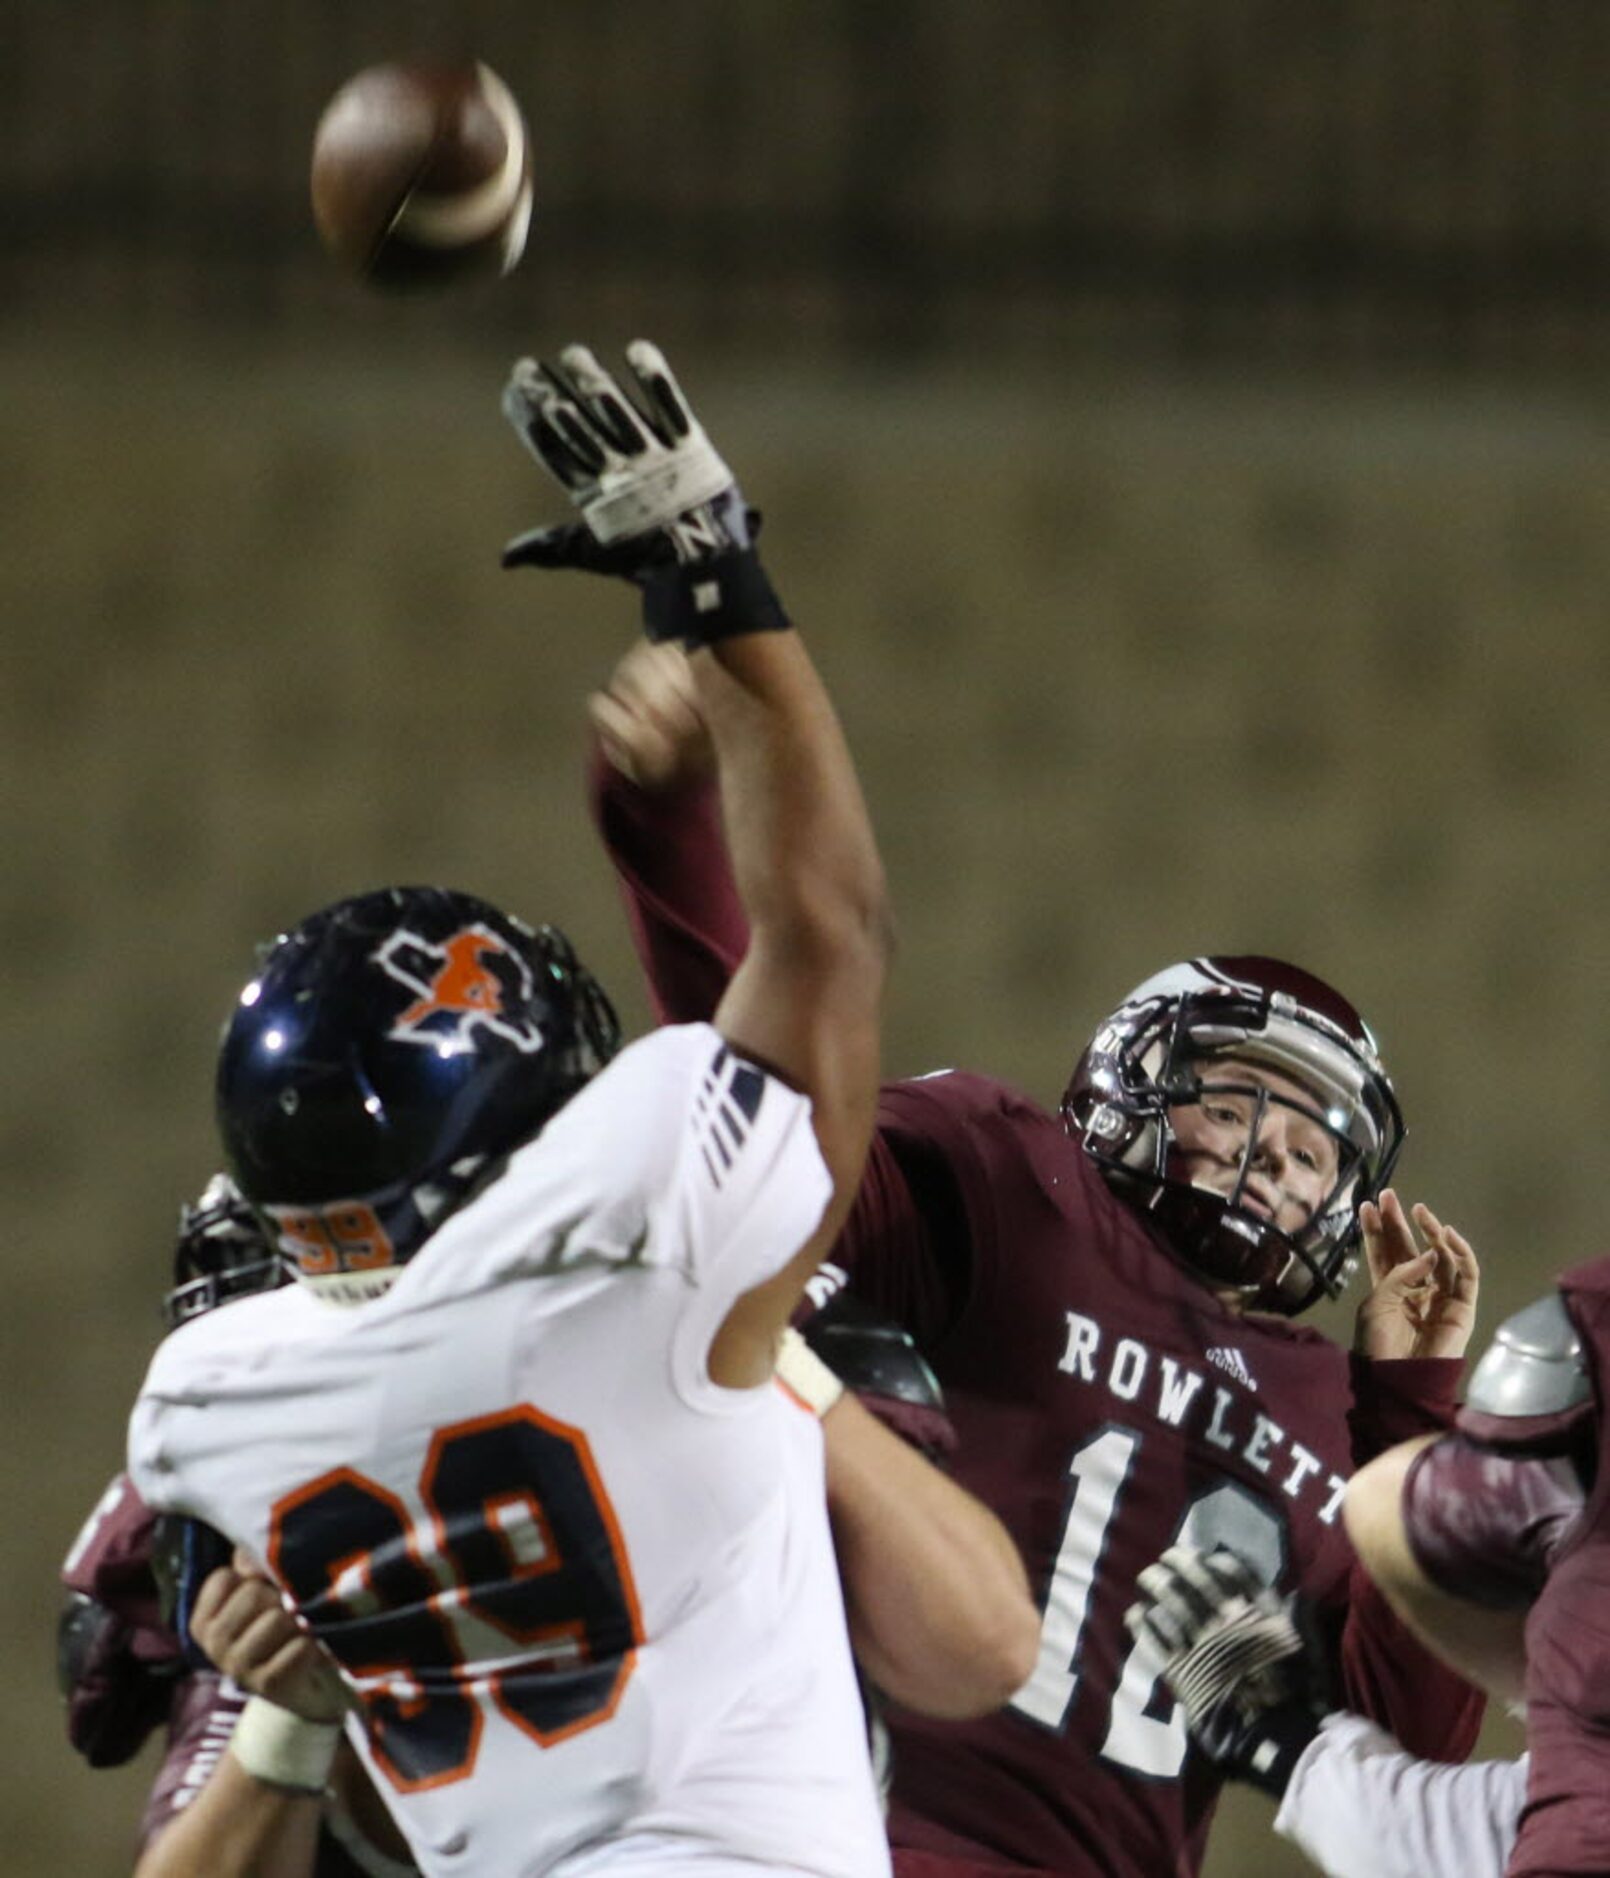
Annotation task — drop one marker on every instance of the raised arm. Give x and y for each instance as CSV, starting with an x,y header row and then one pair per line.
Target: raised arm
x,y
1407,1365
660,508
652,789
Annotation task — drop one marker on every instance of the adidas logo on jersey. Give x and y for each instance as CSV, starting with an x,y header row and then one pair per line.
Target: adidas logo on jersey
x,y
1232,1362
724,1110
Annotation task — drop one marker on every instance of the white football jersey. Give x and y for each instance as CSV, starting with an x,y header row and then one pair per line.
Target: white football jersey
x,y
588,1597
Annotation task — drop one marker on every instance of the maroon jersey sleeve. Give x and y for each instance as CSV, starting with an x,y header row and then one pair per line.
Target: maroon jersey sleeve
x,y
1485,1525
110,1561
904,1240
117,1660
909,1242
204,1715
1396,1399
670,857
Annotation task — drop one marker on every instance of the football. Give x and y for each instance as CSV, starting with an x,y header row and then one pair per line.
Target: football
x,y
422,175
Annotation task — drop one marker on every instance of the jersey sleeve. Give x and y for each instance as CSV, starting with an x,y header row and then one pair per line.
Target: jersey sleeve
x,y
925,1226
905,1245
110,1560
205,1711
1484,1525
902,1249
147,1467
681,1154
670,859
1396,1399
751,1184
116,1660
1360,1807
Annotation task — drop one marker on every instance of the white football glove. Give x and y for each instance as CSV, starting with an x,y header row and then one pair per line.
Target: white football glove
x,y
1246,1671
650,485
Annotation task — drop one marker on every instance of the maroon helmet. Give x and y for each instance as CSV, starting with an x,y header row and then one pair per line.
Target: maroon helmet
x,y
1153,1055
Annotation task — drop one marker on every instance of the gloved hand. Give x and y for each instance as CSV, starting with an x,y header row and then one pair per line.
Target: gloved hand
x,y
654,495
1242,1662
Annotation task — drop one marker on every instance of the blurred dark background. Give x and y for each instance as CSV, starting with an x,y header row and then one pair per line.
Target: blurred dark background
x,y
1181,429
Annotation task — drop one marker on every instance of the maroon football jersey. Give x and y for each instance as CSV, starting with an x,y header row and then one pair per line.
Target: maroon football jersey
x,y
118,1668
1566,1823
1105,1406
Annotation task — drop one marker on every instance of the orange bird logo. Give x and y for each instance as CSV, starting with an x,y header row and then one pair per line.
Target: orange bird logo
x,y
472,978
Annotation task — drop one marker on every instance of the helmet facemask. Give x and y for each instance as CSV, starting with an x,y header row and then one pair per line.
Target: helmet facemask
x,y
1194,1033
221,1253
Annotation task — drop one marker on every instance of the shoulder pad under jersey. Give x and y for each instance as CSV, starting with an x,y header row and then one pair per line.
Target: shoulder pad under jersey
x,y
1533,1366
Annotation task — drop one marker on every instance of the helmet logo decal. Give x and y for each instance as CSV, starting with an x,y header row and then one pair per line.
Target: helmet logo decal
x,y
473,978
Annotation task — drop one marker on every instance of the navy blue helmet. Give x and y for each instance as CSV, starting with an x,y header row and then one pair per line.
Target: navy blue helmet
x,y
390,1051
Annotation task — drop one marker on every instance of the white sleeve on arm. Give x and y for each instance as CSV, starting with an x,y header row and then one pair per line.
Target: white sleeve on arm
x,y
750,1189
751,1183
1359,1806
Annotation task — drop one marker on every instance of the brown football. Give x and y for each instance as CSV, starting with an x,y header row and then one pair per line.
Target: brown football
x,y
422,174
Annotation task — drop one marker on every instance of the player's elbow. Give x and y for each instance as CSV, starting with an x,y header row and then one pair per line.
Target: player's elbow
x,y
971,1664
1003,1657
966,1677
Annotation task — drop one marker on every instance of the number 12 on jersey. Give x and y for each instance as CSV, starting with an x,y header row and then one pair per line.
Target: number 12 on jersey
x,y
1145,1733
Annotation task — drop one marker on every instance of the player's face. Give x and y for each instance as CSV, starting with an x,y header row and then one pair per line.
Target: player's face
x,y
1294,1160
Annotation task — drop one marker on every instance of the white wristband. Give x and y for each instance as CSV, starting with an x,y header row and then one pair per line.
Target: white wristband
x,y
803,1373
283,1749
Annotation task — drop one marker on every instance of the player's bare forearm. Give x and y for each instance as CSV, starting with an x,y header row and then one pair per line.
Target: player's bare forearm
x,y
806,999
796,820
659,507
237,1827
938,1601
1484,1645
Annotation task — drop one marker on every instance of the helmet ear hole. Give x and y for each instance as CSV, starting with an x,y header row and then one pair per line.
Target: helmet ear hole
x,y
1147,1059
388,1050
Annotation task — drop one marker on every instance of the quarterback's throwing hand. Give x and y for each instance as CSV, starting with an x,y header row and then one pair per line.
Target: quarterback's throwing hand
x,y
648,720
1424,1283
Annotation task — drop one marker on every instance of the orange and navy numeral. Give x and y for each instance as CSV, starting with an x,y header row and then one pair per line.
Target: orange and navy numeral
x,y
523,1560
346,1237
